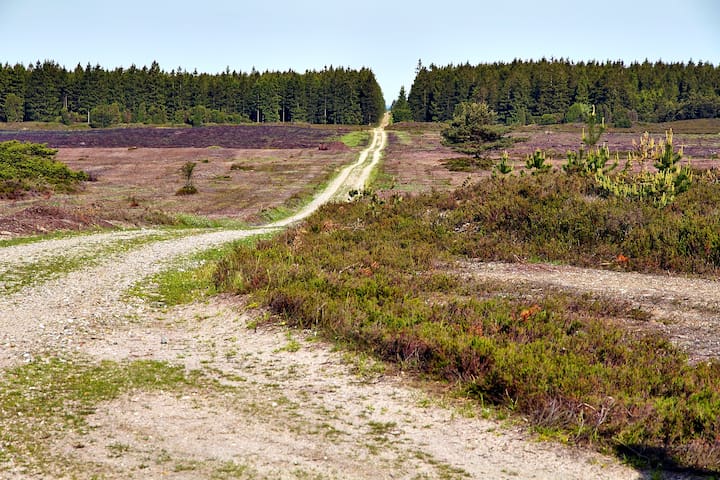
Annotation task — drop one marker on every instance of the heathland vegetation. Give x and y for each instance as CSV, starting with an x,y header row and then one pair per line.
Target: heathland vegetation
x,y
378,275
48,92
554,91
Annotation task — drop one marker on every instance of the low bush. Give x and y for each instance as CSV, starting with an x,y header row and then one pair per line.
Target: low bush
x,y
26,167
468,164
555,217
372,274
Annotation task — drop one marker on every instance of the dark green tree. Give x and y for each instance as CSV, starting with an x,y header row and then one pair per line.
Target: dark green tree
x,y
151,95
13,108
401,109
43,95
474,130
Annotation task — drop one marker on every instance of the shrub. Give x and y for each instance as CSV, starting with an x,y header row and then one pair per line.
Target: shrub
x,y
662,186
621,119
30,166
473,129
549,119
578,112
13,108
503,167
187,172
536,162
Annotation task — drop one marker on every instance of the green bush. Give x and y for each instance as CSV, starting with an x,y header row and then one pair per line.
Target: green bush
x,y
31,166
621,119
474,130
560,217
549,119
578,112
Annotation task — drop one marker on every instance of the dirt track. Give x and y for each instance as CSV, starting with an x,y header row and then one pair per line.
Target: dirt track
x,y
300,412
686,309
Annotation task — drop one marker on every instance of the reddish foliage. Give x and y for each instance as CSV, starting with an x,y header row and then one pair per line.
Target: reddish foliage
x,y
228,136
529,312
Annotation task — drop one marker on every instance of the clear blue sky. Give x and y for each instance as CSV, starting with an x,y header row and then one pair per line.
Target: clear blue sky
x,y
385,35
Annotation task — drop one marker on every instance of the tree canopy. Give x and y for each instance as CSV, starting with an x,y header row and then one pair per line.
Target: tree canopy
x,y
545,91
48,91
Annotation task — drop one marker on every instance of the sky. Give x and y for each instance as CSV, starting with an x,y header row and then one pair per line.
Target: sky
x,y
388,36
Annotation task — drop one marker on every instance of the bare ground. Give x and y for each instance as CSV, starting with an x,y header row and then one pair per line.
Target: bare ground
x,y
305,413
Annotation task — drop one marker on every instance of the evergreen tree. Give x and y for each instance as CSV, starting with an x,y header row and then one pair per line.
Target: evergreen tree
x,y
13,109
525,91
42,100
151,95
473,129
401,109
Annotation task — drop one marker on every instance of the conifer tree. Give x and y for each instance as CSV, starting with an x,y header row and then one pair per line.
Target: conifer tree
x,y
401,109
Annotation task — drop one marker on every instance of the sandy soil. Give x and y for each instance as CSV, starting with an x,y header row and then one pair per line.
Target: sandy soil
x,y
305,412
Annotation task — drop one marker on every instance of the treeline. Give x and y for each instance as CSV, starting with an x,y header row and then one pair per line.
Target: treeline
x,y
552,91
48,92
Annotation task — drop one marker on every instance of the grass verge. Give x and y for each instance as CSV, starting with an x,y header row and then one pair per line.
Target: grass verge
x,y
357,138
374,274
50,396
189,279
62,263
183,220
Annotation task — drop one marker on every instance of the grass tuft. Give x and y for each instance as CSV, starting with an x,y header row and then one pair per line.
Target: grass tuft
x,y
53,395
357,138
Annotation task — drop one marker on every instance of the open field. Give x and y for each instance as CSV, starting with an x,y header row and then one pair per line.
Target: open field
x,y
416,155
245,173
413,160
227,136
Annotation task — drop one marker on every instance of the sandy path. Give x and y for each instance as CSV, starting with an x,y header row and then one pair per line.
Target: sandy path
x,y
687,309
24,254
302,412
84,300
352,177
